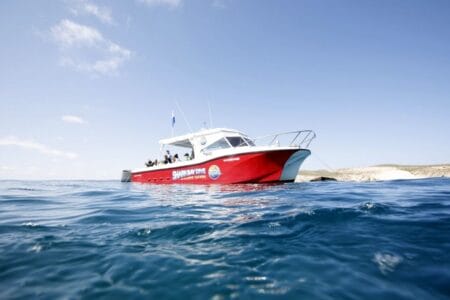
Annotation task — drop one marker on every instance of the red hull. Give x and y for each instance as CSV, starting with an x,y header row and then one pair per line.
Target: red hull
x,y
256,167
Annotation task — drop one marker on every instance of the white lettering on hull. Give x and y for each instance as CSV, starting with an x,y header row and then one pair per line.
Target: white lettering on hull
x,y
179,174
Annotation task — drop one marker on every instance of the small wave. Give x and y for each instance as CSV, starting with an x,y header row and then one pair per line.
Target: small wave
x,y
144,232
24,200
387,262
274,224
329,215
188,232
36,248
381,209
367,205
111,216
30,224
25,189
92,193
256,278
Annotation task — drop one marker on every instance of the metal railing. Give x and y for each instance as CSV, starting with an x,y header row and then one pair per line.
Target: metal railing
x,y
299,138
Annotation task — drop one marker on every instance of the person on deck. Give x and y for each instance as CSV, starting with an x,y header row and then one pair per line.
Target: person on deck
x,y
169,157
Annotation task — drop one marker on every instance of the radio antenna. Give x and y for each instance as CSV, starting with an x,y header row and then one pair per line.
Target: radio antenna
x,y
184,117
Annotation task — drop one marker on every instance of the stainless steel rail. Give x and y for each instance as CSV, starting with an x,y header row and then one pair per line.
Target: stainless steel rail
x,y
301,138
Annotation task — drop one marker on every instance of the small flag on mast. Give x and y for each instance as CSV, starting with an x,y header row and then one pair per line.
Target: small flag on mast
x,y
173,119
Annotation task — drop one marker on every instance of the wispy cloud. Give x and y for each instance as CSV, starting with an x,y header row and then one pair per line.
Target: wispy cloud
x,y
71,34
31,145
170,3
84,7
77,42
73,119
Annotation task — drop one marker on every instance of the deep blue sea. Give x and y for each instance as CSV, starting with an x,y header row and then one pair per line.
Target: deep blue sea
x,y
322,240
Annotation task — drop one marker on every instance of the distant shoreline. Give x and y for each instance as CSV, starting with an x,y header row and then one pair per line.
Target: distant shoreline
x,y
376,173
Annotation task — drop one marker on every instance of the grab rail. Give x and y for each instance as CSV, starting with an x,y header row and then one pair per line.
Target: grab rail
x,y
301,138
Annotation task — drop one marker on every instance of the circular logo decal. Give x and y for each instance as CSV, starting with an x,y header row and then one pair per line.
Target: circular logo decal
x,y
214,172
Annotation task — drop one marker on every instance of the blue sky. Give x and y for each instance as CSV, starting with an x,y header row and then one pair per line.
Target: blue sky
x,y
87,88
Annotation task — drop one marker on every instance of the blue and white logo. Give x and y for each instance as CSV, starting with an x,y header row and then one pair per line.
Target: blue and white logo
x,y
214,172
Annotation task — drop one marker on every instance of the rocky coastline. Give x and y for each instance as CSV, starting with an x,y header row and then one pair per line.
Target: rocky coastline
x,y
376,173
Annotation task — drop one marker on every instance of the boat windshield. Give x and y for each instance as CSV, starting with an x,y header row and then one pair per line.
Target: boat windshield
x,y
220,144
236,141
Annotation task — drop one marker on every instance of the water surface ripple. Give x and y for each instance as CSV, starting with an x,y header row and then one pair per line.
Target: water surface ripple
x,y
112,240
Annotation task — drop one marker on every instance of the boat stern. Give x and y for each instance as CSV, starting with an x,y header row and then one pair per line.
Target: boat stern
x,y
126,176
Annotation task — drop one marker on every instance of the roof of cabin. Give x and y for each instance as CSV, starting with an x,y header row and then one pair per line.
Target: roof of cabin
x,y
184,140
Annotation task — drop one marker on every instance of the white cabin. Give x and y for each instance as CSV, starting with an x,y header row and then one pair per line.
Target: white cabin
x,y
204,142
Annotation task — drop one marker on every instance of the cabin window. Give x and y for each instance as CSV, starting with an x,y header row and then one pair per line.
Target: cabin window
x,y
249,142
236,141
220,144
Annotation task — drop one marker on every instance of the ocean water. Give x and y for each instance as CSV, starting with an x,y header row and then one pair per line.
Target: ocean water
x,y
322,240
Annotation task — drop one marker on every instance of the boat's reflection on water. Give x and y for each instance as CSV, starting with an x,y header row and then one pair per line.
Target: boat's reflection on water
x,y
187,192
237,203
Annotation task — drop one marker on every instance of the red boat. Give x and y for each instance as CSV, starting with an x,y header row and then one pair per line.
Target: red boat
x,y
226,156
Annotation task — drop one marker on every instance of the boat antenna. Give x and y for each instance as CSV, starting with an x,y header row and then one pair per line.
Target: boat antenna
x,y
184,117
210,116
